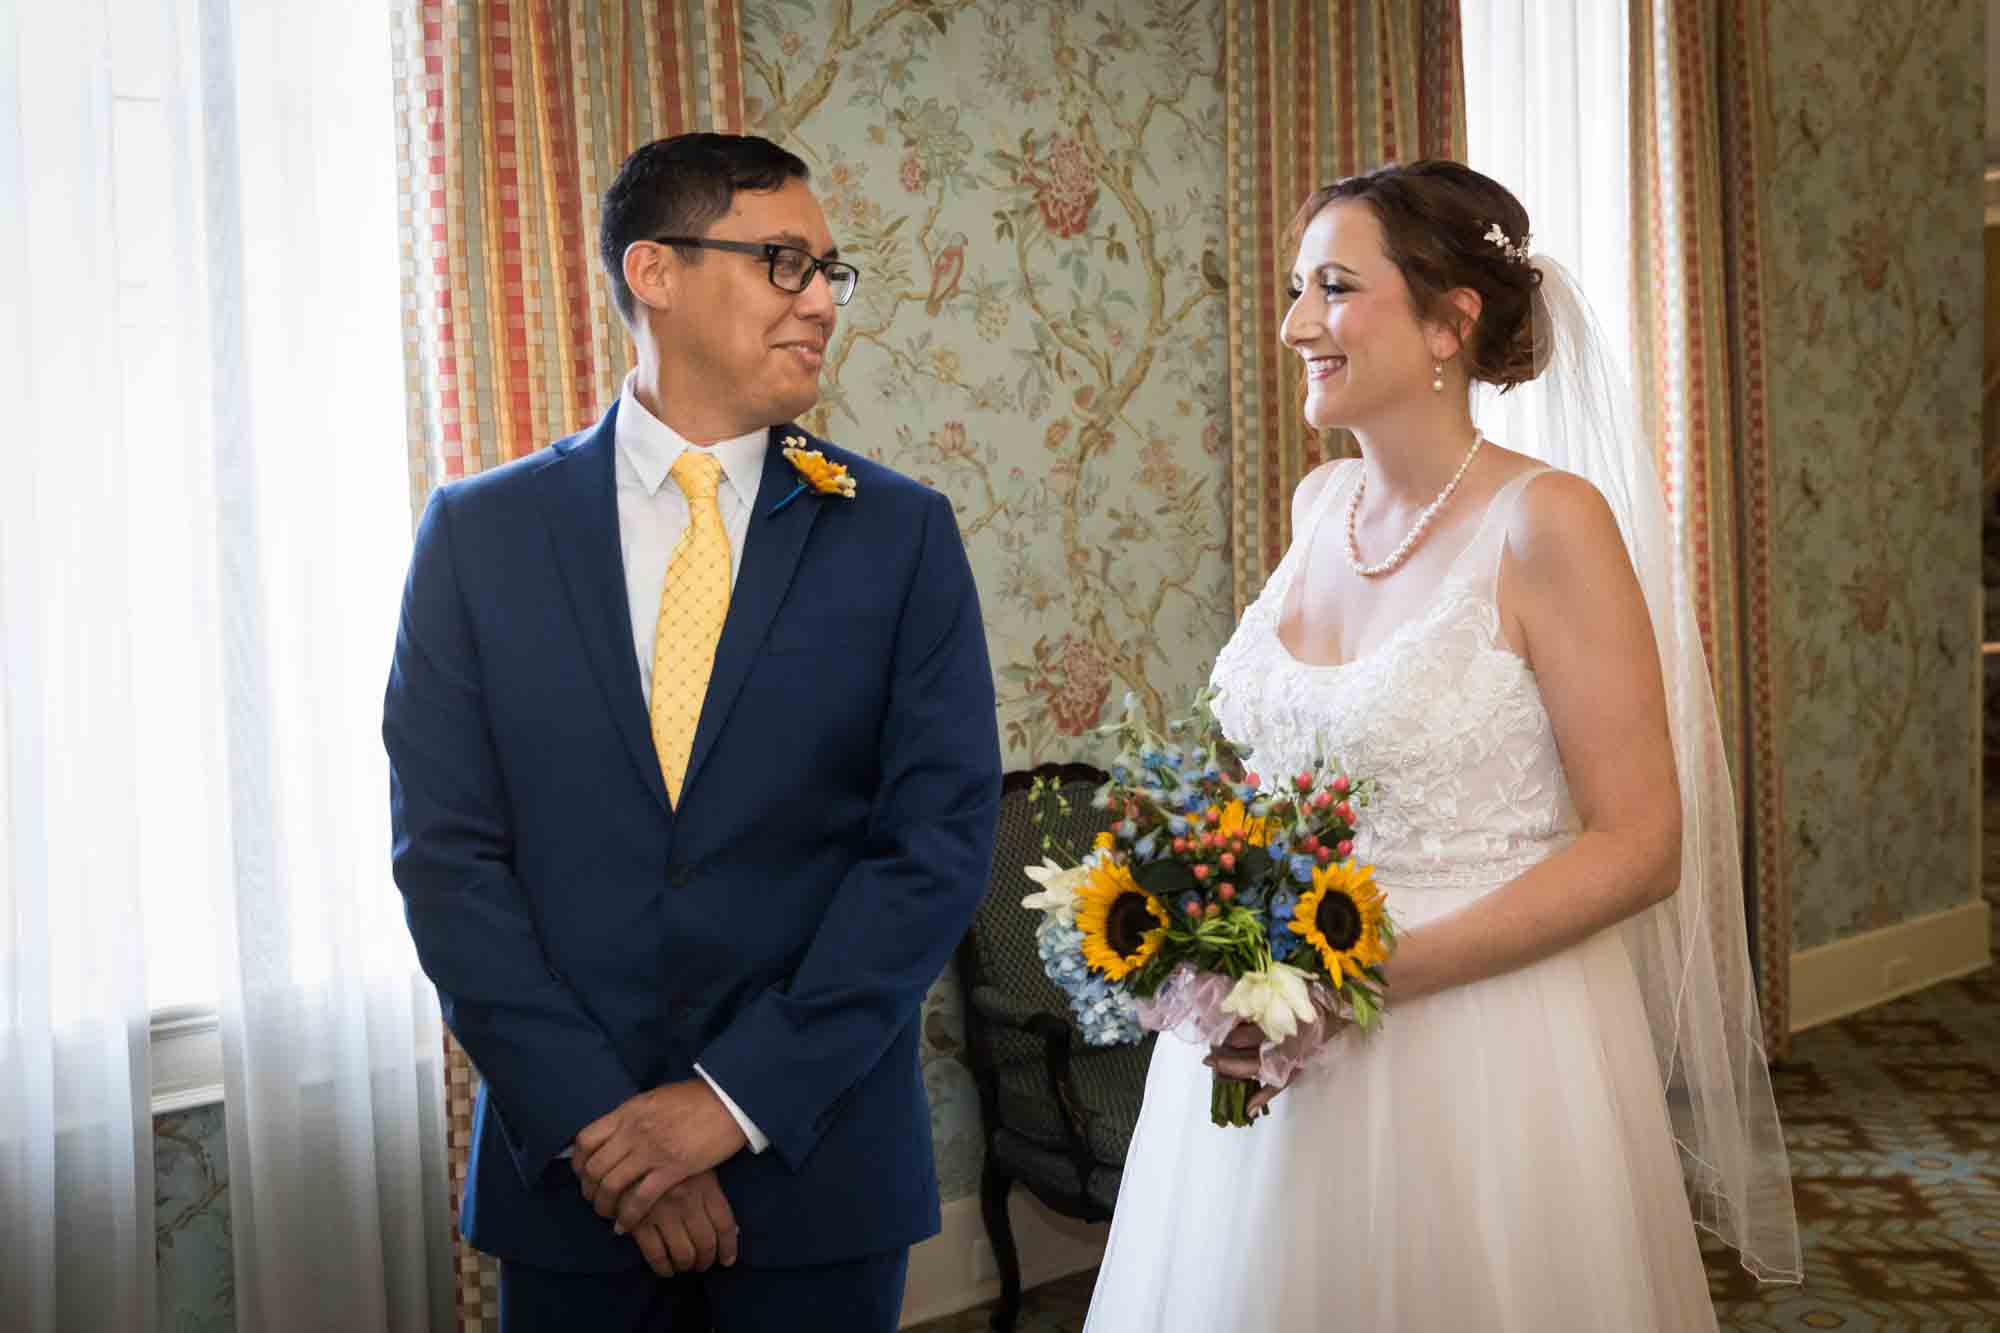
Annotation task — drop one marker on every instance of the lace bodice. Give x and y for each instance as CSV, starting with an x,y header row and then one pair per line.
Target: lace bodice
x,y
1446,719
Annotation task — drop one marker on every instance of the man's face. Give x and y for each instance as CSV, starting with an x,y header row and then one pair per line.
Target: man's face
x,y
740,353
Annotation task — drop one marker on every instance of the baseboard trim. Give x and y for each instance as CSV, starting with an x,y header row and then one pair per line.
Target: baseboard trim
x,y
1834,980
954,1270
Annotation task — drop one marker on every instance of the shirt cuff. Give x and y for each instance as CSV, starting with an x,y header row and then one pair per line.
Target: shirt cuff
x,y
749,1127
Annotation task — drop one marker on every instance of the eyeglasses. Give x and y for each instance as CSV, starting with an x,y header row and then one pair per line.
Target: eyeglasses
x,y
791,268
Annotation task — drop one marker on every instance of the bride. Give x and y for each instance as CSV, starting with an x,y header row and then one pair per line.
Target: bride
x,y
1571,1048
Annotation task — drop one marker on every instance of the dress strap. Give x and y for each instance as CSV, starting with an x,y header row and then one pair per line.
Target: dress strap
x,y
1491,543
1295,555
1340,480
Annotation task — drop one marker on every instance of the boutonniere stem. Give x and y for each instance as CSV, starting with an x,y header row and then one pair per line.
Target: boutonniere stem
x,y
794,494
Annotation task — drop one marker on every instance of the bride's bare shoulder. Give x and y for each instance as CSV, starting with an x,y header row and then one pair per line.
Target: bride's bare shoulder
x,y
1563,523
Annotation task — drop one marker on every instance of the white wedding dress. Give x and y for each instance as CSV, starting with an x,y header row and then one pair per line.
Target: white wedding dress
x,y
1494,1157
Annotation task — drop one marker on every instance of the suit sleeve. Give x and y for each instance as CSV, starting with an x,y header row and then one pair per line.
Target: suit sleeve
x,y
795,1049
549,1068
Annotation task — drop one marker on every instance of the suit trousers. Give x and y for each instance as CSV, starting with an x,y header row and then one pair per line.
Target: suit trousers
x,y
859,1296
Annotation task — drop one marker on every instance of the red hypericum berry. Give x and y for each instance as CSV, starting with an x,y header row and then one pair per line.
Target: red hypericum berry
x,y
1324,854
1250,778
1321,800
1193,908
1237,846
1225,890
1214,816
1228,861
1341,786
1304,781
1201,872
1310,845
1180,846
1213,910
1345,848
1345,811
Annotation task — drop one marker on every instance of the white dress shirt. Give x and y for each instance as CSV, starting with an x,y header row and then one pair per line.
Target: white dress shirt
x,y
652,515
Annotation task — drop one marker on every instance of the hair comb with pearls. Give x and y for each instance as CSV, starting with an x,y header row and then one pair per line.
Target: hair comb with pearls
x,y
1498,236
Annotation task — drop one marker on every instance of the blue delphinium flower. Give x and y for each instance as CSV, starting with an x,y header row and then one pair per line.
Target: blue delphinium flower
x,y
1302,867
1177,826
1278,848
1146,847
1278,923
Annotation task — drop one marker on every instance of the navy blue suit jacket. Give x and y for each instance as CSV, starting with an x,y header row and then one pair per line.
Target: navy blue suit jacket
x,y
781,927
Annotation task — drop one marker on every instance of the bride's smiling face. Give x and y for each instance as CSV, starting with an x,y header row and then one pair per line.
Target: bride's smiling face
x,y
1353,321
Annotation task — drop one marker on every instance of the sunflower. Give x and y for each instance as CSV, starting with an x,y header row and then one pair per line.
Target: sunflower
x,y
1342,917
1121,923
1236,823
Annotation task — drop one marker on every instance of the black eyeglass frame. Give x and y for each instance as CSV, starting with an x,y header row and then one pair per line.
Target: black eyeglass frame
x,y
836,270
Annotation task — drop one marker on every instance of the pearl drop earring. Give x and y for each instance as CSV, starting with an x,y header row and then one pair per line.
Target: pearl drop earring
x,y
1437,379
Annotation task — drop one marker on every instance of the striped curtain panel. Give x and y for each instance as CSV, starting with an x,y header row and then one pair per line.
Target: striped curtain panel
x,y
513,118
1316,90
1701,141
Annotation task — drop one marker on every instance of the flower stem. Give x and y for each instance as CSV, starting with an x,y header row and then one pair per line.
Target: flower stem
x,y
1228,1100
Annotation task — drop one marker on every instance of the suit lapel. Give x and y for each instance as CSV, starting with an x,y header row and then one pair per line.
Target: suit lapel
x,y
581,505
771,549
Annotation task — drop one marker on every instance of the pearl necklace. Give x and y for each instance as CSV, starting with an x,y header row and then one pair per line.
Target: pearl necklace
x,y
1417,531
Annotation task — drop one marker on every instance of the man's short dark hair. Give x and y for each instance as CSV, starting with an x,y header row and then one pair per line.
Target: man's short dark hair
x,y
679,187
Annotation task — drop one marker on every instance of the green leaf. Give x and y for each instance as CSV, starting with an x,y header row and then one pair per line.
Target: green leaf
x,y
1166,880
1253,865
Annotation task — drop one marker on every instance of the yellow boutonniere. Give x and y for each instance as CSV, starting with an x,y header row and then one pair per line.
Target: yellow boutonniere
x,y
824,477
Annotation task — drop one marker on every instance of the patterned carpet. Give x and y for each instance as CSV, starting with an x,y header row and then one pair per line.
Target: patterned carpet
x,y
1893,1119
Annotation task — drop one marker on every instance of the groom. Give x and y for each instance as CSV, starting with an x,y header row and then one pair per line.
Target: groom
x,y
694,779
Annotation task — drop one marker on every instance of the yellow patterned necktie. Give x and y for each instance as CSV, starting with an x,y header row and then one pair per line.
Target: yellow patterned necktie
x,y
693,605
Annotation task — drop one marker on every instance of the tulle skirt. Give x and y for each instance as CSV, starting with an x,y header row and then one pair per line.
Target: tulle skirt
x,y
1494,1157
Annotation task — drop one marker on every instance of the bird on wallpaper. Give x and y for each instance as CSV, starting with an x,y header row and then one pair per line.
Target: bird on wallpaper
x,y
946,270
1211,271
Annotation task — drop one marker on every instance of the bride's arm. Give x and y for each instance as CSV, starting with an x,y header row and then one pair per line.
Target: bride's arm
x,y
1572,603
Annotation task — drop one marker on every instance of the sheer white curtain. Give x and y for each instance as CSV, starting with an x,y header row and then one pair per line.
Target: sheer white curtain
x,y
1547,114
203,523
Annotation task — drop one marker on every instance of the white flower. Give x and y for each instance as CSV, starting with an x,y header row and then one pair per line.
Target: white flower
x,y
1275,1000
1059,886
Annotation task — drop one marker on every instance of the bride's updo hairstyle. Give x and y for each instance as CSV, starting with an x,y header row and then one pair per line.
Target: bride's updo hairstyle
x,y
1438,220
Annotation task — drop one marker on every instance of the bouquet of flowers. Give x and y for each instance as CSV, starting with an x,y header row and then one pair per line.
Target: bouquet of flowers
x,y
1214,897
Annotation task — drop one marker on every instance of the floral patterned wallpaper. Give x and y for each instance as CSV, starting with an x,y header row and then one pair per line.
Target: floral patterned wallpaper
x,y
197,1272
1875,346
1033,194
